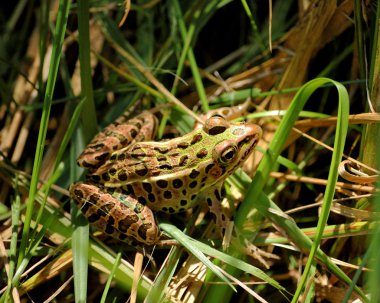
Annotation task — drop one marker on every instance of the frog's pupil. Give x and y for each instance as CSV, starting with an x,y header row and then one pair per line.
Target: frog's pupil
x,y
229,155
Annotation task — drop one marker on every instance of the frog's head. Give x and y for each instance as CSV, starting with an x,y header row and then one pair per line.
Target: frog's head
x,y
232,142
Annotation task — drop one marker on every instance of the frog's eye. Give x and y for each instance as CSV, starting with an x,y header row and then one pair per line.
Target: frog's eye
x,y
225,152
228,154
215,125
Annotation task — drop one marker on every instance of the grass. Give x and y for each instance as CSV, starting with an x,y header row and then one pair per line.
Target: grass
x,y
184,58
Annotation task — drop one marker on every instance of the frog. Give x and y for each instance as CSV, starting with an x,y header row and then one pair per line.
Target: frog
x,y
131,177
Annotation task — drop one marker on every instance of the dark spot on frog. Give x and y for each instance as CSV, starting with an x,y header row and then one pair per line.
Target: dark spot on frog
x,y
162,183
183,145
194,173
177,183
196,139
165,166
142,200
122,176
112,171
217,194
161,158
167,194
93,218
122,237
121,157
95,178
202,153
155,173
138,124
138,153
209,202
182,160
193,197
96,146
94,198
173,154
183,202
193,184
105,177
109,190
133,133
147,187
152,198
86,206
130,189
123,224
86,164
109,229
143,229
141,170
184,192
78,193
104,210
162,150
208,167
171,210
102,157
113,157
111,221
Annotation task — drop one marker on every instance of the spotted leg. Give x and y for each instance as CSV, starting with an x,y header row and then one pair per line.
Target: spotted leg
x,y
119,215
214,199
117,135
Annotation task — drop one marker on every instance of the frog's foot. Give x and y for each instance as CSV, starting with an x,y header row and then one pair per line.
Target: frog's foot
x,y
119,215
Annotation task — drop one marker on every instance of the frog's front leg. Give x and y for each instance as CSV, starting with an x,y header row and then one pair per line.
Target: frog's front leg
x,y
214,199
118,215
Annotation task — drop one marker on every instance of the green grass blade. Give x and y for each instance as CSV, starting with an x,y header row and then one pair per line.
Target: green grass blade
x,y
89,114
109,280
64,7
16,205
235,262
252,198
255,29
340,138
374,276
181,237
187,38
157,292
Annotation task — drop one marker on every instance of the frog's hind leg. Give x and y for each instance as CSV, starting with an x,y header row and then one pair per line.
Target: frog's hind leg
x,y
116,136
119,215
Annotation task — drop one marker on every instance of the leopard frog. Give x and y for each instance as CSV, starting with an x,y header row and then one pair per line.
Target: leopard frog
x,y
132,177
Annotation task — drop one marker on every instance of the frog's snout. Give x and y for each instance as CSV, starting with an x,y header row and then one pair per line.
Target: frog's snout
x,y
254,130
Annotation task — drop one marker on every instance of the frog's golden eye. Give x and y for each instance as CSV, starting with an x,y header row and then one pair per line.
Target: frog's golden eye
x,y
228,154
215,125
225,152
